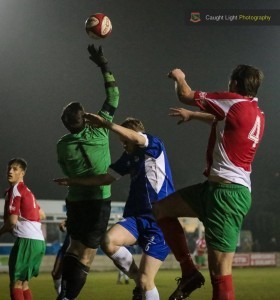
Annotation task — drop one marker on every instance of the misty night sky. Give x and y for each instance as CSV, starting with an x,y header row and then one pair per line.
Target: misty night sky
x,y
44,65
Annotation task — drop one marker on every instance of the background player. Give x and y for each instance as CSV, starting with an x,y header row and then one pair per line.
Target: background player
x,y
122,276
222,201
22,216
200,252
146,161
81,153
57,267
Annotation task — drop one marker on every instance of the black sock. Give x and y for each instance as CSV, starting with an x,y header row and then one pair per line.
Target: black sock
x,y
74,275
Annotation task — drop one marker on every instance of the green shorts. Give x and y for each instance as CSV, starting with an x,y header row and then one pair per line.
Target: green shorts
x,y
221,208
200,260
25,259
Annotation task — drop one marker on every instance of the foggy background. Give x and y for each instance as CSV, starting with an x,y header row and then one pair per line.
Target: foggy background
x,y
44,65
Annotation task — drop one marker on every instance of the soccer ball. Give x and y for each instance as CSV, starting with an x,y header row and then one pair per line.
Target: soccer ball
x,y
98,26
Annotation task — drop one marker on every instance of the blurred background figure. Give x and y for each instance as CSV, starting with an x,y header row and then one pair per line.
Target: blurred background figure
x,y
57,267
121,277
200,252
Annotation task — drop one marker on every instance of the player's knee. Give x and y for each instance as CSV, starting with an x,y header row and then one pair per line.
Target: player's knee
x,y
18,284
146,282
25,285
106,243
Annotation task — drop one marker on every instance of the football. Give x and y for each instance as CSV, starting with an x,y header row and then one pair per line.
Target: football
x,y
98,26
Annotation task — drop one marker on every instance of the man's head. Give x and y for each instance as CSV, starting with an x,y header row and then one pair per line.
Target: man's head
x,y
16,170
73,117
245,80
135,125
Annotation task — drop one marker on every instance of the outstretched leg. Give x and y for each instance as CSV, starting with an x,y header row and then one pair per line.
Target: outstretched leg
x,y
167,212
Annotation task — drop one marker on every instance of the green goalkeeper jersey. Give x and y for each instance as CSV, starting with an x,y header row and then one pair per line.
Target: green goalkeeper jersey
x,y
87,153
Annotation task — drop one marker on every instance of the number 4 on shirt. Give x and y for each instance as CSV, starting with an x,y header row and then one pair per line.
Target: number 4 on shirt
x,y
254,134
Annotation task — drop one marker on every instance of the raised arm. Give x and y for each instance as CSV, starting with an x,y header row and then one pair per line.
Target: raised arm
x,y
184,92
101,179
186,115
112,91
125,133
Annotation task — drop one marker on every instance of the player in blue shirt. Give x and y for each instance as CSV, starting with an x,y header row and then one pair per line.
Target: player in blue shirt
x,y
146,161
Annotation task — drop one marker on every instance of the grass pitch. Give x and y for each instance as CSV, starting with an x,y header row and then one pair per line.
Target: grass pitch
x,y
250,284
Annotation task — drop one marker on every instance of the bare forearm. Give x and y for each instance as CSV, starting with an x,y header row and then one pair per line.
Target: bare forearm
x,y
186,115
202,116
184,92
126,133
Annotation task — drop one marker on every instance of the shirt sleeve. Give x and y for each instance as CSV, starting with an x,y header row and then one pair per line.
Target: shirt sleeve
x,y
112,97
120,168
14,202
215,103
153,146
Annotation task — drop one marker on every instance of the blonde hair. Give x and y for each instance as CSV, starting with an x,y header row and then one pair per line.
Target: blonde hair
x,y
133,124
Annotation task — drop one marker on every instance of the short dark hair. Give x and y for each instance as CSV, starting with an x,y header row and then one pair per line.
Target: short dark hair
x,y
133,124
18,161
248,80
73,117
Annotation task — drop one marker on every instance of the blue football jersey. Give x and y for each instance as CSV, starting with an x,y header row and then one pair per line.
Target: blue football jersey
x,y
150,173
